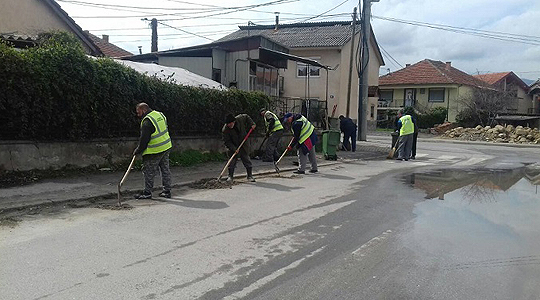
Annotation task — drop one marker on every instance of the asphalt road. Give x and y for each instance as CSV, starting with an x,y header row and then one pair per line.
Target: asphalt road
x,y
357,230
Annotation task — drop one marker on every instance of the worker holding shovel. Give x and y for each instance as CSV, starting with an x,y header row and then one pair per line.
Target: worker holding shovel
x,y
274,132
305,137
154,145
233,133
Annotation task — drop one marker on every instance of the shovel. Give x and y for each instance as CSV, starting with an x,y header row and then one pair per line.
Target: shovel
x,y
259,153
123,179
234,155
282,155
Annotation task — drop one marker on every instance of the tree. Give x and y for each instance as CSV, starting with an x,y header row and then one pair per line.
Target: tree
x,y
483,105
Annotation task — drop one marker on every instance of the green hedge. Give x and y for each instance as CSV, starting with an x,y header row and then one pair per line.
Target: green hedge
x,y
55,92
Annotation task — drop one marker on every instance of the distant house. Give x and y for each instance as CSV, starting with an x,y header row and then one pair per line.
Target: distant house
x,y
287,61
510,82
424,85
108,49
534,92
21,21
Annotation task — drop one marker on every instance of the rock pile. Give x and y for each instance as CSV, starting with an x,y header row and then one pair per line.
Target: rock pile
x,y
497,134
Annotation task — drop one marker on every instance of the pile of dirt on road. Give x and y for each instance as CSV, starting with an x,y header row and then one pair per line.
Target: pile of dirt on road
x,y
497,134
211,183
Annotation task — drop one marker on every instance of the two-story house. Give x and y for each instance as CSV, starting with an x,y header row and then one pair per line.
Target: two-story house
x,y
510,82
424,85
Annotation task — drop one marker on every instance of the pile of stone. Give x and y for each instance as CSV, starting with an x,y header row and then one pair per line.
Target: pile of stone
x,y
497,134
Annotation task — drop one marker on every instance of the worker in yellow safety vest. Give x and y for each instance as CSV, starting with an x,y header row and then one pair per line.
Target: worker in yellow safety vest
x,y
305,137
154,145
274,132
405,127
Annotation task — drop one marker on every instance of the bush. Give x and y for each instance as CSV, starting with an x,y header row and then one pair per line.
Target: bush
x,y
434,116
55,92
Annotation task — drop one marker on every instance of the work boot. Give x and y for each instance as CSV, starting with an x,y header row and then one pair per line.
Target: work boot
x,y
144,195
165,194
250,174
230,178
299,172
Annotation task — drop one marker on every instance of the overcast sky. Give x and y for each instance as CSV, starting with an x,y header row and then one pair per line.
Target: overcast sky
x,y
502,20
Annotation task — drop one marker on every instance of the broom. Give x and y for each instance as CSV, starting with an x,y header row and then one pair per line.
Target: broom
x,y
393,151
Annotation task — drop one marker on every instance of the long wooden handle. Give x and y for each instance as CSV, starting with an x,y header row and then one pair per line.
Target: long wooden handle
x,y
127,172
284,152
235,152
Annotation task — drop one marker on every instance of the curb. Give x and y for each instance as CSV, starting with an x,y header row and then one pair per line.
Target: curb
x,y
437,140
113,196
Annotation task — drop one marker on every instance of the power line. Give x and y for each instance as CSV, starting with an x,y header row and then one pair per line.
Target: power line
x,y
314,17
509,37
392,59
164,24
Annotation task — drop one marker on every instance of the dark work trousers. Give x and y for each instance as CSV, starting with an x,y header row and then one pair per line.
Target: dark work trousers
x,y
349,138
243,156
152,164
415,138
272,146
405,146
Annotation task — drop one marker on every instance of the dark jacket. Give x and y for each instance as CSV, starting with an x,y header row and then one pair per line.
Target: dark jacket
x,y
147,129
232,137
296,127
347,125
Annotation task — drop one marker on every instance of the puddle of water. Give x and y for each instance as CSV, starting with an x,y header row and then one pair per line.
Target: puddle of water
x,y
478,213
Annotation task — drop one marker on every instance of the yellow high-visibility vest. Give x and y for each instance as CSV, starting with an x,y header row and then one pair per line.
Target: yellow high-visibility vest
x,y
277,123
307,129
159,140
407,126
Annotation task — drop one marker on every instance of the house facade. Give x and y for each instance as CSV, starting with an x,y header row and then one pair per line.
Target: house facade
x,y
21,21
425,85
329,44
534,92
523,103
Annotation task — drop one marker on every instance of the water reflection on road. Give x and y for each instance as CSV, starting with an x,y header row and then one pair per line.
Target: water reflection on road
x,y
478,218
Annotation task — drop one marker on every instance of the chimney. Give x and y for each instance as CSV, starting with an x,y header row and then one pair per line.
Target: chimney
x,y
406,65
277,21
448,65
140,49
105,37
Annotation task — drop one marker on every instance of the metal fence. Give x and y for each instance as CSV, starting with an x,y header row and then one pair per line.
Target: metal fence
x,y
313,109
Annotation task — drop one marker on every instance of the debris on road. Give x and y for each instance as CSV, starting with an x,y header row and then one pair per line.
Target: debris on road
x,y
211,183
497,134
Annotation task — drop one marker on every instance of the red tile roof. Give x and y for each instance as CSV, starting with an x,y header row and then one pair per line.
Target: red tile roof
x,y
108,49
495,79
492,78
429,71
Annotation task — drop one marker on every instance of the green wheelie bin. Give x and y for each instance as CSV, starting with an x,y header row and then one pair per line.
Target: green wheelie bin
x,y
330,142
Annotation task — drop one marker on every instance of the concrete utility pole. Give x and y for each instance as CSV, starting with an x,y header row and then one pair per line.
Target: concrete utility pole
x,y
363,87
351,64
153,25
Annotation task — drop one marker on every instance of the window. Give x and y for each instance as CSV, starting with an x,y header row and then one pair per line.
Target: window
x,y
302,69
372,113
386,95
263,78
436,95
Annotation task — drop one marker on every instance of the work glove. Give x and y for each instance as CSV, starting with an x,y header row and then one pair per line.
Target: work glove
x,y
136,151
289,148
253,126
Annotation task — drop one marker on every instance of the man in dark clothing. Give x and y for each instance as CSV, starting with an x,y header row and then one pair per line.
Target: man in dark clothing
x,y
347,126
233,132
274,132
305,137
154,145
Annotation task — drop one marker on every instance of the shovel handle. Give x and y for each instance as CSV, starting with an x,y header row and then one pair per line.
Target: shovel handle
x,y
284,152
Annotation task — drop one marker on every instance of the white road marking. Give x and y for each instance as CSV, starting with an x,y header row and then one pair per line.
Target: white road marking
x,y
364,249
261,282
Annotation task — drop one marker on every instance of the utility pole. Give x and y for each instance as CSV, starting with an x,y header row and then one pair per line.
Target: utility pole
x,y
153,25
351,64
363,87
